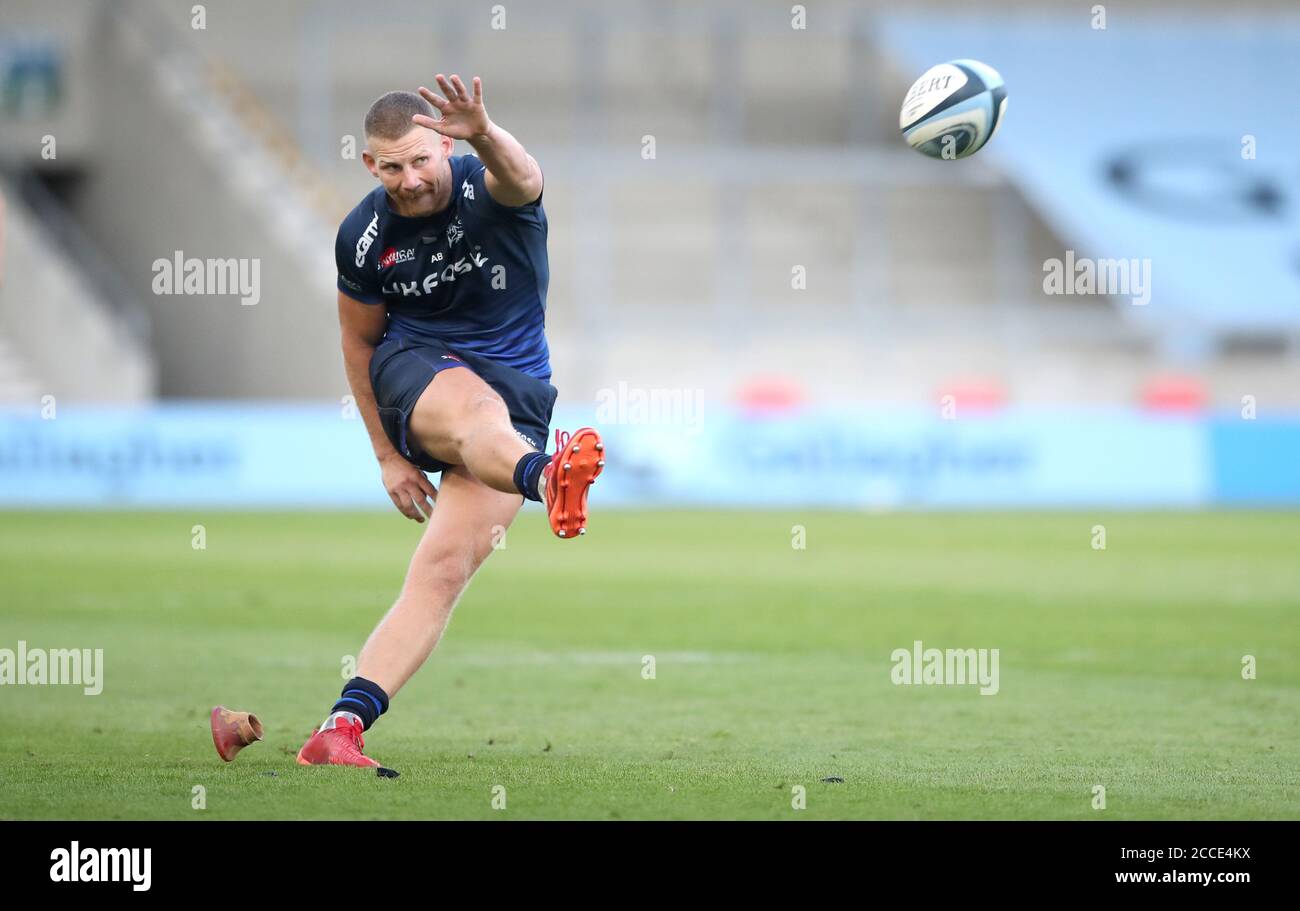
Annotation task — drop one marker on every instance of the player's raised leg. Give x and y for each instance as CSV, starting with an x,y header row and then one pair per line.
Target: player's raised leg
x,y
461,420
468,521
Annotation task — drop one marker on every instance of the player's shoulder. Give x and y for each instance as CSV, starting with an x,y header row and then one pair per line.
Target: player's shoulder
x,y
469,175
466,171
466,164
357,234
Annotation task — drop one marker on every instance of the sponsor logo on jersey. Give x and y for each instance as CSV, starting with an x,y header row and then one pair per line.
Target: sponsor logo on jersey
x,y
467,189
366,239
431,281
392,256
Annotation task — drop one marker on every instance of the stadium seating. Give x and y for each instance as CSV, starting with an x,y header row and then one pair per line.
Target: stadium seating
x,y
683,264
61,334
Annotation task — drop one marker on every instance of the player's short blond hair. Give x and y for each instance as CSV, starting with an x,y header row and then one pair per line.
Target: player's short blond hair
x,y
390,116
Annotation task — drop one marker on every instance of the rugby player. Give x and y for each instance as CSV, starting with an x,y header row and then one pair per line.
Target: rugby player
x,y
442,277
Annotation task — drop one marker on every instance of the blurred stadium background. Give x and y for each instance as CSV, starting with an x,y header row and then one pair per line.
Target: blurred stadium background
x,y
765,301
739,240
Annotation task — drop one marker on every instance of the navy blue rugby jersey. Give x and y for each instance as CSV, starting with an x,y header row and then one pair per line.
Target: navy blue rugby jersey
x,y
472,276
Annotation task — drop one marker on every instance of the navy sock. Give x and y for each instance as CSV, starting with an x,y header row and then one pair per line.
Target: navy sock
x,y
364,699
527,470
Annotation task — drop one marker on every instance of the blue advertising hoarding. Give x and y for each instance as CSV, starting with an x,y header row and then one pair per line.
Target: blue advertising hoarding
x,y
318,456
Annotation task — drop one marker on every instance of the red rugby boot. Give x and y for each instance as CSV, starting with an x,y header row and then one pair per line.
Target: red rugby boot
x,y
578,461
339,745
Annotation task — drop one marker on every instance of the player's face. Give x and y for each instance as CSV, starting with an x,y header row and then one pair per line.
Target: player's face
x,y
413,169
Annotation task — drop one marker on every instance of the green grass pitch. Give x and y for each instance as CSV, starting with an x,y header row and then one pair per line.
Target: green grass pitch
x,y
1119,667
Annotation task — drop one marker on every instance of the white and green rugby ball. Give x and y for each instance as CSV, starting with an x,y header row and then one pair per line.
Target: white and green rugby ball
x,y
953,109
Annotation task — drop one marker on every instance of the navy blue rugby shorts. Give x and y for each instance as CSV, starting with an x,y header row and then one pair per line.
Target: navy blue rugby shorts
x,y
401,369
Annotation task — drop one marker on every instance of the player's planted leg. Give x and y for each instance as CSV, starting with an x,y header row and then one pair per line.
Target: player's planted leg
x,y
465,526
467,523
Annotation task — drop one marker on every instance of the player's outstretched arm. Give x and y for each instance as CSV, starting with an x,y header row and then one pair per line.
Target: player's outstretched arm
x,y
362,327
513,176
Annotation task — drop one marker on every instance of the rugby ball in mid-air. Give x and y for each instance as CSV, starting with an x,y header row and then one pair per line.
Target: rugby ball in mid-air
x,y
953,109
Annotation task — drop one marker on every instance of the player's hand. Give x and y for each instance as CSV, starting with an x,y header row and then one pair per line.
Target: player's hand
x,y
463,114
408,487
